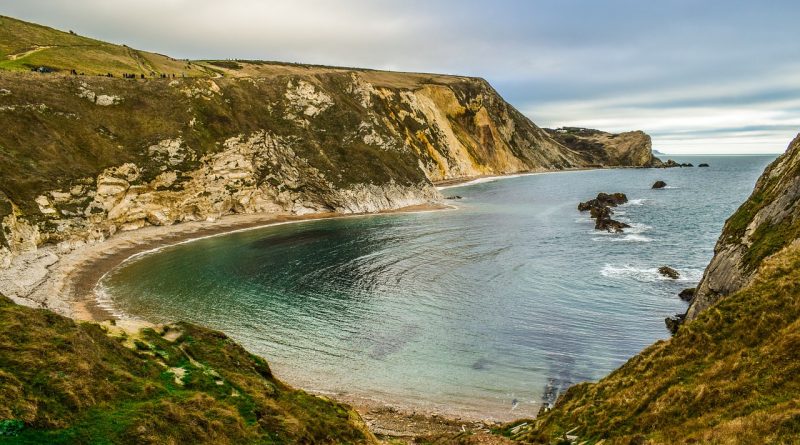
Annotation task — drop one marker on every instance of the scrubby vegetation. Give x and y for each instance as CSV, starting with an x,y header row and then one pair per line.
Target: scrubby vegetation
x,y
66,382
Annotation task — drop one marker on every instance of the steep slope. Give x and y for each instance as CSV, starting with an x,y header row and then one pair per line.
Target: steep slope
x,y
63,382
629,149
765,223
728,376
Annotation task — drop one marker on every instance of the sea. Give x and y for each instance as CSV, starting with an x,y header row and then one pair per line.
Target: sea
x,y
488,310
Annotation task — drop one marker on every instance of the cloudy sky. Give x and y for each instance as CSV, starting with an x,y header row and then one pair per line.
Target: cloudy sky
x,y
699,76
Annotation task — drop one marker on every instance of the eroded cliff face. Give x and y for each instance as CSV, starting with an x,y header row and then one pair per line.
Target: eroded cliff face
x,y
764,224
628,149
85,157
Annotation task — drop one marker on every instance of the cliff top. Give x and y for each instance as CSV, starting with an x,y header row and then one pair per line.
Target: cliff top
x,y
26,47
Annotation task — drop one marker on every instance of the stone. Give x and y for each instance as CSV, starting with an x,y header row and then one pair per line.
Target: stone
x,y
669,272
659,184
703,165
687,294
674,322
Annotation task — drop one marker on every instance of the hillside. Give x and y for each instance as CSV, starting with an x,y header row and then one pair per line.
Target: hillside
x,y
632,148
25,46
729,375
64,382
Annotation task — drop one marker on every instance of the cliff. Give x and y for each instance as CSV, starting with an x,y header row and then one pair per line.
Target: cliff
x,y
629,149
158,141
729,374
764,224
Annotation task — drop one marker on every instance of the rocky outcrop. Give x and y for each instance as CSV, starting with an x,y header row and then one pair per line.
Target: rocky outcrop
x,y
669,272
659,185
600,210
768,221
629,149
687,294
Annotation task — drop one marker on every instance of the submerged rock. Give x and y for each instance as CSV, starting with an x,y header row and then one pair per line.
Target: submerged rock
x,y
659,185
687,294
669,272
703,165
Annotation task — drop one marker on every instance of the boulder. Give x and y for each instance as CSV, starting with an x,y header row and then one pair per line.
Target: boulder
x,y
703,165
674,322
610,225
688,164
603,200
687,294
670,164
659,184
669,272
600,210
453,197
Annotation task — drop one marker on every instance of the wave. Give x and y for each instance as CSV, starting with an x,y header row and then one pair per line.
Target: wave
x,y
631,238
635,202
648,274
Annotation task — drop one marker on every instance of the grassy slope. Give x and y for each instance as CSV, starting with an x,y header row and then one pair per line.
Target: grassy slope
x,y
73,383
24,46
729,377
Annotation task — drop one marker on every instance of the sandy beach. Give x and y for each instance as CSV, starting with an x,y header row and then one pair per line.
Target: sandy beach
x,y
74,277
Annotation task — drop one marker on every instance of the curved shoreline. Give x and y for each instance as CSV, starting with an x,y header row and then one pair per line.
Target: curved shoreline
x,y
81,271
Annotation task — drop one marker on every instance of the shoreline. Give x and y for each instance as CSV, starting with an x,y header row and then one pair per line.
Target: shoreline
x,y
472,180
83,269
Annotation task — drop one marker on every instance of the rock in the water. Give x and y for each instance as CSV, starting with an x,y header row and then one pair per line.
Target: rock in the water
x,y
453,197
610,225
688,164
670,164
659,185
669,272
603,200
674,322
600,209
703,165
687,294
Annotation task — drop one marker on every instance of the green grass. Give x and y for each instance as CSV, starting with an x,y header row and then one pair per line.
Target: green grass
x,y
63,51
62,382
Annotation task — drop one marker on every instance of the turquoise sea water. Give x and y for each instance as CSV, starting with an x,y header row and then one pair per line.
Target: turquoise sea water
x,y
488,310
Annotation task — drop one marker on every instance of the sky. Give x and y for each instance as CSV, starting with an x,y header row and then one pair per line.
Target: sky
x,y
702,77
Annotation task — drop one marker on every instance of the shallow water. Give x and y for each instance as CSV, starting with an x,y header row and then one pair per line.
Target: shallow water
x,y
485,311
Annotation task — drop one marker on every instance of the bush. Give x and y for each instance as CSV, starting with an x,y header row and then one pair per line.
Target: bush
x,y
11,427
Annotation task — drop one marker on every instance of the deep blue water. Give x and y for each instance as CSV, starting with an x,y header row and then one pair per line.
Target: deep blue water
x,y
511,296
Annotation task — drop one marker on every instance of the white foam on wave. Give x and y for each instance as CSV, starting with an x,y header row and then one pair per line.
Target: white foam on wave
x,y
104,301
647,274
632,238
635,202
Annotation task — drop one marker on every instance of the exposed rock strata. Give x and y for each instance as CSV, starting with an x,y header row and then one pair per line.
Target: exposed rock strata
x,y
629,149
766,222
